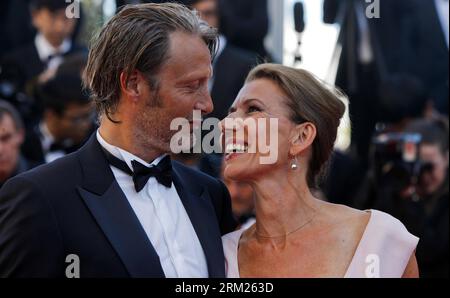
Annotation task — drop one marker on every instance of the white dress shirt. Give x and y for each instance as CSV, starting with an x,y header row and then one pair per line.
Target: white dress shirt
x,y
45,50
442,11
164,219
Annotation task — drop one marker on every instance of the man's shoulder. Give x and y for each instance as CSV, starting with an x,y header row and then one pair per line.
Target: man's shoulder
x,y
51,182
62,170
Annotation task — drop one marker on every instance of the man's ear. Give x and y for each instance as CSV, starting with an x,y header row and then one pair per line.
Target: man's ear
x,y
302,138
129,84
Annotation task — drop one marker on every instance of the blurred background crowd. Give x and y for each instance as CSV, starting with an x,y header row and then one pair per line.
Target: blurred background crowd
x,y
393,66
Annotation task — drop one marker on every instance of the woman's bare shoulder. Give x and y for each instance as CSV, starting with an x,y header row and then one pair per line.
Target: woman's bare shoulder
x,y
343,212
346,218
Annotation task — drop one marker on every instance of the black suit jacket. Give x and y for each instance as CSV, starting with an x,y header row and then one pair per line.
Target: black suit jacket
x,y
388,39
23,165
26,62
17,29
427,55
230,70
32,146
75,206
245,24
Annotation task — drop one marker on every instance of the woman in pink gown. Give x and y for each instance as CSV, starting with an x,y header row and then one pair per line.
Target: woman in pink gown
x,y
296,234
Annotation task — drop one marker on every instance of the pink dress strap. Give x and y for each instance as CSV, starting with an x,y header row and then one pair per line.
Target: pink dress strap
x,y
230,248
384,250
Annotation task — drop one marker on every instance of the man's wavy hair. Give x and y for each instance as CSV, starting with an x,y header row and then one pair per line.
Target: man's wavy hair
x,y
137,38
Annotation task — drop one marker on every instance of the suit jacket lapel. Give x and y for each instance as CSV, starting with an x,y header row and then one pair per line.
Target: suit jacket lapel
x,y
202,215
110,208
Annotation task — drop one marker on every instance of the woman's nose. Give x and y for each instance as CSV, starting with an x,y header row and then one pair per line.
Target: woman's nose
x,y
232,122
225,122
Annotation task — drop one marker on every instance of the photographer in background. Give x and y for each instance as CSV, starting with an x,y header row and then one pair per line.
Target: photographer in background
x,y
428,217
409,179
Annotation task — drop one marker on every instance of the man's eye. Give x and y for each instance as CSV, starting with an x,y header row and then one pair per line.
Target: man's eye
x,y
194,85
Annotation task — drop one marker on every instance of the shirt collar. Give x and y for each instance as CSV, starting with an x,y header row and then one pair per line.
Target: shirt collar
x,y
45,49
124,155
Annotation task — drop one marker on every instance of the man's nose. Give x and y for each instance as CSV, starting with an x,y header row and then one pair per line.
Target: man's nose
x,y
205,104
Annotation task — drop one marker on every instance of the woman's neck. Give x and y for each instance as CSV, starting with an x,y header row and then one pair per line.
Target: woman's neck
x,y
282,206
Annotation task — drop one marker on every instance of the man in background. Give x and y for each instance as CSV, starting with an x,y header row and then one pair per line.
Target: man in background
x,y
372,50
246,24
68,120
428,48
40,58
11,137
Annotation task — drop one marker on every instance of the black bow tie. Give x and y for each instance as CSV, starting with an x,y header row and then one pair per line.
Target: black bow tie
x,y
141,173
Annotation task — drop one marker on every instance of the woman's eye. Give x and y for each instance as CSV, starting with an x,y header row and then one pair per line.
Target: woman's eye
x,y
253,109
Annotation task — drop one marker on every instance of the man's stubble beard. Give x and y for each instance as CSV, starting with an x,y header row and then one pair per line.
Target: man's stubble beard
x,y
152,127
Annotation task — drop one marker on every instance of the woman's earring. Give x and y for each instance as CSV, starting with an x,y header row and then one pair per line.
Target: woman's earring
x,y
294,164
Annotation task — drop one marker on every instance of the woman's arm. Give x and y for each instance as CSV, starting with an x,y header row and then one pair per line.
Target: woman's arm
x,y
412,269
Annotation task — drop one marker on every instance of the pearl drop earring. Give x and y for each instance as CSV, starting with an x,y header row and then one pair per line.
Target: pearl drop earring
x,y
294,164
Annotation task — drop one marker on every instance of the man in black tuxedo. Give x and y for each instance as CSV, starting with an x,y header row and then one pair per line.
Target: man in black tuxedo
x,y
53,41
119,207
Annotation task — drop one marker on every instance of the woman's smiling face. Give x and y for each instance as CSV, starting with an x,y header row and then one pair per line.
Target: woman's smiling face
x,y
251,139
